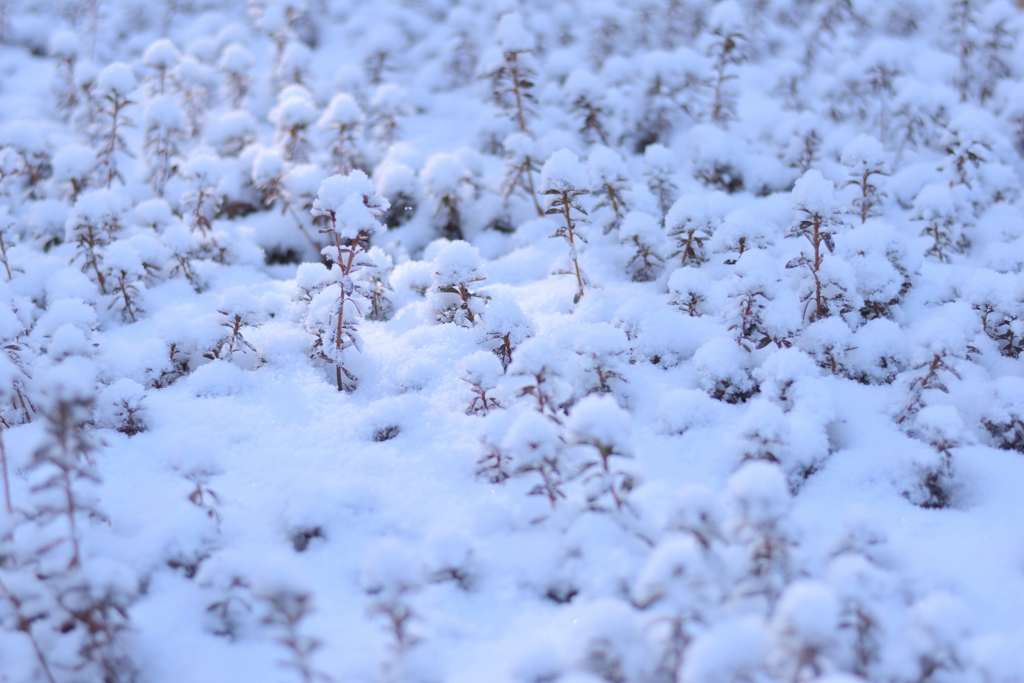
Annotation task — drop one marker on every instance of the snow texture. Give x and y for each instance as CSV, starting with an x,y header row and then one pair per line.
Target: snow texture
x,y
664,341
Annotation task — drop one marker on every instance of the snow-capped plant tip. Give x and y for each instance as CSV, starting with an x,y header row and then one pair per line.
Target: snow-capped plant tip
x,y
450,341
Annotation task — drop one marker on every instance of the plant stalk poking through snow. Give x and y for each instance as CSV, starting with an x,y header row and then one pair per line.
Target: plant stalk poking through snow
x,y
563,181
815,202
512,84
64,465
286,611
513,79
353,210
865,159
724,52
535,447
8,505
24,619
598,424
453,295
481,372
114,84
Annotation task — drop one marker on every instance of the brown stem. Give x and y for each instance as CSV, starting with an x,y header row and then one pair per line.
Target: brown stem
x,y
571,237
816,242
112,145
528,165
864,196
7,482
514,72
345,264
3,257
122,287
72,525
25,626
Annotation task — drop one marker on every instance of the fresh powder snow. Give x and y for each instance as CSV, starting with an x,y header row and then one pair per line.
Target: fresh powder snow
x,y
449,341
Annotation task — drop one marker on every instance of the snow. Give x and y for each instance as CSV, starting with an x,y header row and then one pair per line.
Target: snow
x,y
267,166
601,420
604,164
807,616
121,255
563,171
758,492
294,109
530,439
73,162
353,202
155,213
814,193
314,348
164,112
342,110
456,262
640,225
161,54
443,173
64,44
512,34
732,650
726,17
863,152
236,59
116,79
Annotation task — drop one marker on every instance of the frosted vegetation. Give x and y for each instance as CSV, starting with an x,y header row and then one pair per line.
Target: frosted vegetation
x,y
657,341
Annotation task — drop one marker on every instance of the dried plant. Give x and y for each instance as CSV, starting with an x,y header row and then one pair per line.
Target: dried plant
x,y
113,120
61,469
494,465
178,365
125,288
962,22
933,374
521,166
98,617
268,177
21,408
343,120
512,81
481,372
286,612
561,183
749,329
863,159
607,487
202,201
816,224
228,614
689,231
724,50
165,132
351,211
1003,327
535,447
202,496
935,480
608,185
588,107
658,172
27,613
233,345
942,221
454,295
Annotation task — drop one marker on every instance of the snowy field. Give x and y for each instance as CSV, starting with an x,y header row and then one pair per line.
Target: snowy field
x,y
465,341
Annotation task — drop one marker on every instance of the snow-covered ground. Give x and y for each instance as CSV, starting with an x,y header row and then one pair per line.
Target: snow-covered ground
x,y
657,341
